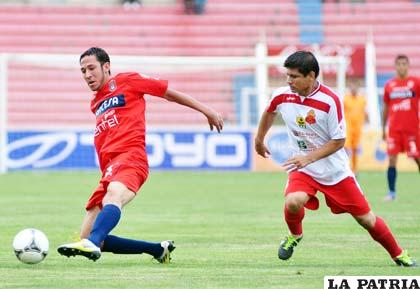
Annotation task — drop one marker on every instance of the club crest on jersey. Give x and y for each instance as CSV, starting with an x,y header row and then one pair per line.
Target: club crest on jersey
x,y
112,85
410,84
109,103
300,122
310,117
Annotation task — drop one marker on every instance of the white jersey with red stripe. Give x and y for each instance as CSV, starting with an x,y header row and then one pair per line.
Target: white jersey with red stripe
x,y
311,122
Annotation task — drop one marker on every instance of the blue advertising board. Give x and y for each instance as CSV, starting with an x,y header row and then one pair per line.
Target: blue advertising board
x,y
230,150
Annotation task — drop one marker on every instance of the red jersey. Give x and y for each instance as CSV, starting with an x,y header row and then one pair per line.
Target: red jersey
x,y
402,98
119,107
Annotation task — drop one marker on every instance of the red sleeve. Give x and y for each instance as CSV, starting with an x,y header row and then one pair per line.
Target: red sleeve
x,y
147,85
418,89
386,94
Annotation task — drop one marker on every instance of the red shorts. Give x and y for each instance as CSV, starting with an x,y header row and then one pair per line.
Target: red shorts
x,y
343,197
399,142
126,168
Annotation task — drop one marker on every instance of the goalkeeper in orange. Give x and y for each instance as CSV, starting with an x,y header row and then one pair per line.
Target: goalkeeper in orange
x,y
355,115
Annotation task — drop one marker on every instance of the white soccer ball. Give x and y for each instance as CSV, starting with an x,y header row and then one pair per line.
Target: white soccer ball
x,y
31,246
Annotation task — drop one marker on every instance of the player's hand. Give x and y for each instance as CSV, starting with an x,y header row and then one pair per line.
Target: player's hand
x,y
261,149
295,163
215,120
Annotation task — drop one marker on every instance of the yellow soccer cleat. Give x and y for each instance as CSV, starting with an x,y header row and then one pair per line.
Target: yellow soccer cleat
x,y
83,248
405,260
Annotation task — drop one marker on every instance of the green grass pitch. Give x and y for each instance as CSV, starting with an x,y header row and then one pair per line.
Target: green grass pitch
x,y
226,225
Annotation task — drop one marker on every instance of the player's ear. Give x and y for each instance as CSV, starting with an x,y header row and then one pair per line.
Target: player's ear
x,y
107,67
312,75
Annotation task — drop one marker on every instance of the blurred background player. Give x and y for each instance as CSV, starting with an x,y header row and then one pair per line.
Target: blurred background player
x,y
400,120
119,107
313,116
355,115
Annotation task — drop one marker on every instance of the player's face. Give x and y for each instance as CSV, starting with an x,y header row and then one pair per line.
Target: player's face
x,y
95,74
299,83
401,66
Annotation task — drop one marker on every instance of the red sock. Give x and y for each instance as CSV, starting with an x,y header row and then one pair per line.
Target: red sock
x,y
294,221
381,234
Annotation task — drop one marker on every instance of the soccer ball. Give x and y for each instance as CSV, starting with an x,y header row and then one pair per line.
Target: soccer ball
x,y
30,246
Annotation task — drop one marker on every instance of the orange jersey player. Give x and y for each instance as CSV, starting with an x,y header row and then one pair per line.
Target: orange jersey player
x,y
355,115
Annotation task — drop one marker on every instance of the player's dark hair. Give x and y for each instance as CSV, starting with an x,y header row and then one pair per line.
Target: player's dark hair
x,y
401,56
304,62
99,53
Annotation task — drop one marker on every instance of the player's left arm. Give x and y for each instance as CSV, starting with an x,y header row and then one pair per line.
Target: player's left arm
x,y
214,119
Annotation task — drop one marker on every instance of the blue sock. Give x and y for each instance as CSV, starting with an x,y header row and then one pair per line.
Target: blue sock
x,y
119,245
392,176
106,220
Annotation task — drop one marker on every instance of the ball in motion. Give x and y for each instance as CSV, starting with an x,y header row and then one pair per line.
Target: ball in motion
x,y
30,246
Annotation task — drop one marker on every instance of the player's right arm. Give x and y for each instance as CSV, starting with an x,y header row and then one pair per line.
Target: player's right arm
x,y
265,124
384,120
385,109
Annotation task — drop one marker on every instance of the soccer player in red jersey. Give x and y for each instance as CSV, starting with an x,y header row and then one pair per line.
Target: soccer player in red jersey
x,y
401,114
119,107
313,115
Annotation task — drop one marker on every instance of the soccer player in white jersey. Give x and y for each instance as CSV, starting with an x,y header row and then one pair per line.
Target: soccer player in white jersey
x,y
313,115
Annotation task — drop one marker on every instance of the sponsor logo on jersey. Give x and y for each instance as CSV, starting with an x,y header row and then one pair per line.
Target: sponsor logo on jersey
x,y
300,122
105,124
302,145
109,103
306,145
112,85
404,105
304,133
310,117
403,92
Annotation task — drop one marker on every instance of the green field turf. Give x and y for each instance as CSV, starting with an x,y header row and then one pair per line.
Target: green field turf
x,y
227,227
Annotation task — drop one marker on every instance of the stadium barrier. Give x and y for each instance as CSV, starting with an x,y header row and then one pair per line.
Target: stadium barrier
x,y
176,149
167,149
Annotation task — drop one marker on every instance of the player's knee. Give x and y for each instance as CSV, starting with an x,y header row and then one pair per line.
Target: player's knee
x,y
366,221
113,195
293,203
392,160
117,194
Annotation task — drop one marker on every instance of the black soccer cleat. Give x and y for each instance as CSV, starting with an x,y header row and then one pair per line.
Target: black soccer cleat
x,y
286,247
168,246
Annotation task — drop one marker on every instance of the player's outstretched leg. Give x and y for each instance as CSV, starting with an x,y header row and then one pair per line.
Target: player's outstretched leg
x,y
83,248
160,251
287,246
381,233
405,260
